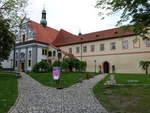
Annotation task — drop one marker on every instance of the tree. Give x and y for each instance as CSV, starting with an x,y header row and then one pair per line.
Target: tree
x,y
14,10
7,39
145,66
137,11
12,15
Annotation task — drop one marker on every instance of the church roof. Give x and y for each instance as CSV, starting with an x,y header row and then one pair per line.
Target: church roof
x,y
43,34
64,38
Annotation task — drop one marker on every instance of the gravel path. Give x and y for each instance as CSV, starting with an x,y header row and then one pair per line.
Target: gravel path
x,y
36,98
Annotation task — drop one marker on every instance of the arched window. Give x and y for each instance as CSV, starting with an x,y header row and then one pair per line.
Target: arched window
x,y
54,53
59,55
49,53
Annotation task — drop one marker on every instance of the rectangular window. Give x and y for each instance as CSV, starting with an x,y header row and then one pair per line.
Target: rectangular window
x,y
16,63
44,51
125,44
23,37
113,46
70,50
30,54
136,43
77,49
147,43
16,56
92,48
54,53
29,63
101,47
84,49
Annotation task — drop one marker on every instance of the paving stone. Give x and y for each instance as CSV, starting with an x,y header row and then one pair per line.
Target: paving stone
x,y
36,98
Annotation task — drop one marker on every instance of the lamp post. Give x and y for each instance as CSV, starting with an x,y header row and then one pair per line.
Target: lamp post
x,y
59,54
95,65
14,56
60,86
81,47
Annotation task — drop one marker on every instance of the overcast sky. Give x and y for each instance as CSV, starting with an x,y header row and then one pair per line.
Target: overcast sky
x,y
71,15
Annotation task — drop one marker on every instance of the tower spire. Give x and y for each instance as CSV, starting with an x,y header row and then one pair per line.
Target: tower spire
x,y
43,19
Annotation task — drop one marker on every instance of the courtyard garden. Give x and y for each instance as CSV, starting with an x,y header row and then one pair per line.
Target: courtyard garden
x,y
66,79
8,90
72,71
131,94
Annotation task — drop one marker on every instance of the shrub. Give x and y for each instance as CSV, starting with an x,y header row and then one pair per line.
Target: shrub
x,y
57,63
72,64
83,66
100,71
0,65
42,66
88,76
144,65
65,66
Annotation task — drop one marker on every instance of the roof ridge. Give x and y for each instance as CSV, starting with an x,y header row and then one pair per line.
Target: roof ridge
x,y
101,31
42,26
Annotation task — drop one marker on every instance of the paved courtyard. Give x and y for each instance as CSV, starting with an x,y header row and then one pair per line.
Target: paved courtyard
x,y
36,98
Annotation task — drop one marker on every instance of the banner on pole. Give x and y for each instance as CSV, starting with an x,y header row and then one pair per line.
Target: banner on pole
x,y
56,73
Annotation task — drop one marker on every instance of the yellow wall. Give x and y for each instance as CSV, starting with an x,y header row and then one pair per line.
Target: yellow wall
x,y
125,60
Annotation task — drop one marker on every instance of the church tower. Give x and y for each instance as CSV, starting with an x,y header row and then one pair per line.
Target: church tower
x,y
43,19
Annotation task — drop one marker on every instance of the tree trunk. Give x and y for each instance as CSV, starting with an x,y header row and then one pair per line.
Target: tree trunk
x,y
146,71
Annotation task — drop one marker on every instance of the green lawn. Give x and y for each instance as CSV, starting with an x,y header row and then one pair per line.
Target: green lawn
x,y
67,78
8,90
125,99
141,78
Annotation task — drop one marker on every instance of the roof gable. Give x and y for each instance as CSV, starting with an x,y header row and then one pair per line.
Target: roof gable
x,y
43,34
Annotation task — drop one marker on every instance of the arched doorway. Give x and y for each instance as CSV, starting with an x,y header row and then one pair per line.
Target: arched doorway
x,y
106,67
22,66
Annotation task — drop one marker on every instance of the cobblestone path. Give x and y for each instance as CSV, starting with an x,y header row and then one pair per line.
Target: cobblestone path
x,y
36,98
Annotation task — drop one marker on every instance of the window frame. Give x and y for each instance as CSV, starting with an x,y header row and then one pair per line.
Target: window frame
x,y
29,63
111,46
77,49
70,50
92,48
134,46
125,41
101,46
146,43
84,49
23,38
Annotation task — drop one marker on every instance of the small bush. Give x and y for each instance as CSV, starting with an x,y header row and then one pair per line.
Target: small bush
x,y
83,66
65,66
72,64
88,76
0,65
42,66
57,63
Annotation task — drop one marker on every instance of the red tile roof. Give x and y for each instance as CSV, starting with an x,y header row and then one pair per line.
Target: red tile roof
x,y
67,54
63,39
48,35
57,38
43,34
